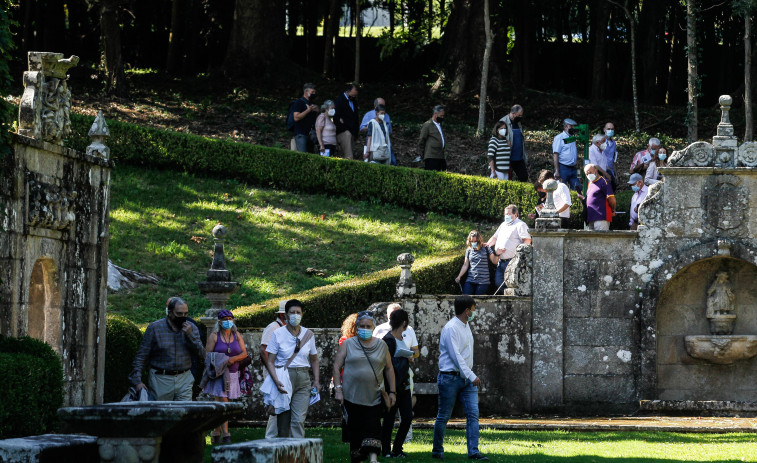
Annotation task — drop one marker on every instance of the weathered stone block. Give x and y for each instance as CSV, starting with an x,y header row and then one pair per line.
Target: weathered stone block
x,y
615,304
610,360
581,275
280,450
50,448
598,332
595,388
577,303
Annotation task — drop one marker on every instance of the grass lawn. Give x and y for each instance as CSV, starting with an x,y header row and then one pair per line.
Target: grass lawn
x,y
551,446
161,222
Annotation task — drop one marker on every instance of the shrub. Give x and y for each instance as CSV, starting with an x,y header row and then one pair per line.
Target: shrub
x,y
327,306
289,170
122,338
31,387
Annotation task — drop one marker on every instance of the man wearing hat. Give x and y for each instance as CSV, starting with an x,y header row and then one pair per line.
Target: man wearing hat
x,y
566,156
167,348
640,192
271,429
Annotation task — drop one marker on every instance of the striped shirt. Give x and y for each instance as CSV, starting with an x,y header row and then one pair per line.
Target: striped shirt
x,y
478,272
499,151
163,348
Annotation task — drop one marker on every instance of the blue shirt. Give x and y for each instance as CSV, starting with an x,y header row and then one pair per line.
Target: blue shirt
x,y
516,153
372,115
567,153
609,152
349,100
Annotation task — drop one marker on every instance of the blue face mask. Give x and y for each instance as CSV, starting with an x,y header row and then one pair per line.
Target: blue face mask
x,y
474,245
227,324
662,156
472,316
508,218
635,188
364,333
609,133
652,152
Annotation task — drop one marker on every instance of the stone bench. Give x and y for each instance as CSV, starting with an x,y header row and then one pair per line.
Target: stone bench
x,y
50,448
279,450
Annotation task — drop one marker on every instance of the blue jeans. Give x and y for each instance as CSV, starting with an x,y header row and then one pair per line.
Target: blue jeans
x,y
452,388
499,274
473,288
301,141
569,176
394,159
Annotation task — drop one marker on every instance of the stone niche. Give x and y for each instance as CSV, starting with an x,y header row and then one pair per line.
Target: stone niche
x,y
54,204
682,312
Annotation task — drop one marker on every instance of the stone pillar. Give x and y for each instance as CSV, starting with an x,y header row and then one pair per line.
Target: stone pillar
x,y
99,133
725,142
549,219
218,286
406,285
279,450
547,321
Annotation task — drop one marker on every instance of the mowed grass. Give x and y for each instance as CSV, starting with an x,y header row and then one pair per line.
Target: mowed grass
x,y
161,222
551,446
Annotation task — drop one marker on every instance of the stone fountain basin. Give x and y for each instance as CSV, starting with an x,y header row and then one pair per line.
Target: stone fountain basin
x,y
722,349
147,419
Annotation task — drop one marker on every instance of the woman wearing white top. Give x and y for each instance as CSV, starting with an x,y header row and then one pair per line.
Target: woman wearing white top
x,y
289,340
378,146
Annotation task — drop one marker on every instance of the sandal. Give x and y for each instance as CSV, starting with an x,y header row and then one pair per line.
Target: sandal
x,y
215,438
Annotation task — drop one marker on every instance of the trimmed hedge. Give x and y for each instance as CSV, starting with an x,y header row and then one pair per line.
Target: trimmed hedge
x,y
327,306
122,339
31,387
293,171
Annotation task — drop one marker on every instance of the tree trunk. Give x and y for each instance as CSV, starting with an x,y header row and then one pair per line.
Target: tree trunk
x,y
329,39
748,133
258,45
626,7
462,43
358,33
524,48
692,117
115,79
430,20
179,12
649,28
392,9
599,38
485,71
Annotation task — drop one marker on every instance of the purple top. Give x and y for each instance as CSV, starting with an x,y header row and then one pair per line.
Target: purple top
x,y
596,199
231,349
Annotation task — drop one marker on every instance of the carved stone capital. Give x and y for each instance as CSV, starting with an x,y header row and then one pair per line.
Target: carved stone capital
x,y
519,272
50,204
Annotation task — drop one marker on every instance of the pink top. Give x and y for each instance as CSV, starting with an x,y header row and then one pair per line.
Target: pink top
x,y
329,129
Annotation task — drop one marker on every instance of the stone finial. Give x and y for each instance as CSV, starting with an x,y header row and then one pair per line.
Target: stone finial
x,y
99,133
219,232
519,272
406,285
217,286
549,218
43,112
725,107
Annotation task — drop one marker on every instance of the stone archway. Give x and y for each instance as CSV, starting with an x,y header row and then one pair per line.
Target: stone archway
x,y
673,306
44,308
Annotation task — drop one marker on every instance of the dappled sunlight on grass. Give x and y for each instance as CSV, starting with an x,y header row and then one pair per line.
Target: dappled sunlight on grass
x,y
161,223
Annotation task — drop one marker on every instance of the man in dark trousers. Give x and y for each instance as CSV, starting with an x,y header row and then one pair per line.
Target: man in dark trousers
x,y
346,120
431,143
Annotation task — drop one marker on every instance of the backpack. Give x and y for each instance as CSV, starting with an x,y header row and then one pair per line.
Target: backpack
x,y
290,116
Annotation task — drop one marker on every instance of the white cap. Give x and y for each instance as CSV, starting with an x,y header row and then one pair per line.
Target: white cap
x,y
569,121
282,305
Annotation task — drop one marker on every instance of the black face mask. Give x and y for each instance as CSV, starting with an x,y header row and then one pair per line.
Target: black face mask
x,y
572,131
517,120
439,120
312,98
180,320
542,195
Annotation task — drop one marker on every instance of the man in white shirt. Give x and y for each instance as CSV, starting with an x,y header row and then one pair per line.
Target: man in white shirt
x,y
512,233
456,379
561,197
596,156
271,429
640,192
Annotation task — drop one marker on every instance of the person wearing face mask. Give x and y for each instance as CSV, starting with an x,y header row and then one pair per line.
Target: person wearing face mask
x,y
371,115
639,193
517,143
325,129
167,348
456,379
228,346
652,175
610,150
377,140
599,197
291,354
643,157
271,429
400,353
476,263
346,120
305,114
499,152
565,156
510,234
431,142
561,198
364,384
596,156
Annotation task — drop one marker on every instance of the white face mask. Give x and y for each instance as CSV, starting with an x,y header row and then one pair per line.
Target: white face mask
x,y
508,218
502,132
603,146
591,177
332,112
295,319
381,116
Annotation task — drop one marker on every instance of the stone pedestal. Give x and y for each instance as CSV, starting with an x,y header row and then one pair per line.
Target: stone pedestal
x,y
218,286
279,450
549,218
406,285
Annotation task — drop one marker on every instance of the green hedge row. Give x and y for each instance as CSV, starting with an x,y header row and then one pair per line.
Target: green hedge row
x,y
327,306
31,387
289,170
122,339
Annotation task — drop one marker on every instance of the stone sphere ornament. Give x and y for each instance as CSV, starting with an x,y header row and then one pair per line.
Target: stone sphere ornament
x,y
219,231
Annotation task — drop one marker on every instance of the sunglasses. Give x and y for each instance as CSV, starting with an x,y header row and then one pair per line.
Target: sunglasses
x,y
296,345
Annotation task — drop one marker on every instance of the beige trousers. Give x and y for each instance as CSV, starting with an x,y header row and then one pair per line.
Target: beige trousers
x,y
172,388
346,144
291,423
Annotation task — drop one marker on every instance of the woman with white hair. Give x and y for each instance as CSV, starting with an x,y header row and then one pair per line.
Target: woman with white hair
x,y
325,129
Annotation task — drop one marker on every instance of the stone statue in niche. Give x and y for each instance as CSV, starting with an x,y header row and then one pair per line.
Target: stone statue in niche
x,y
721,306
